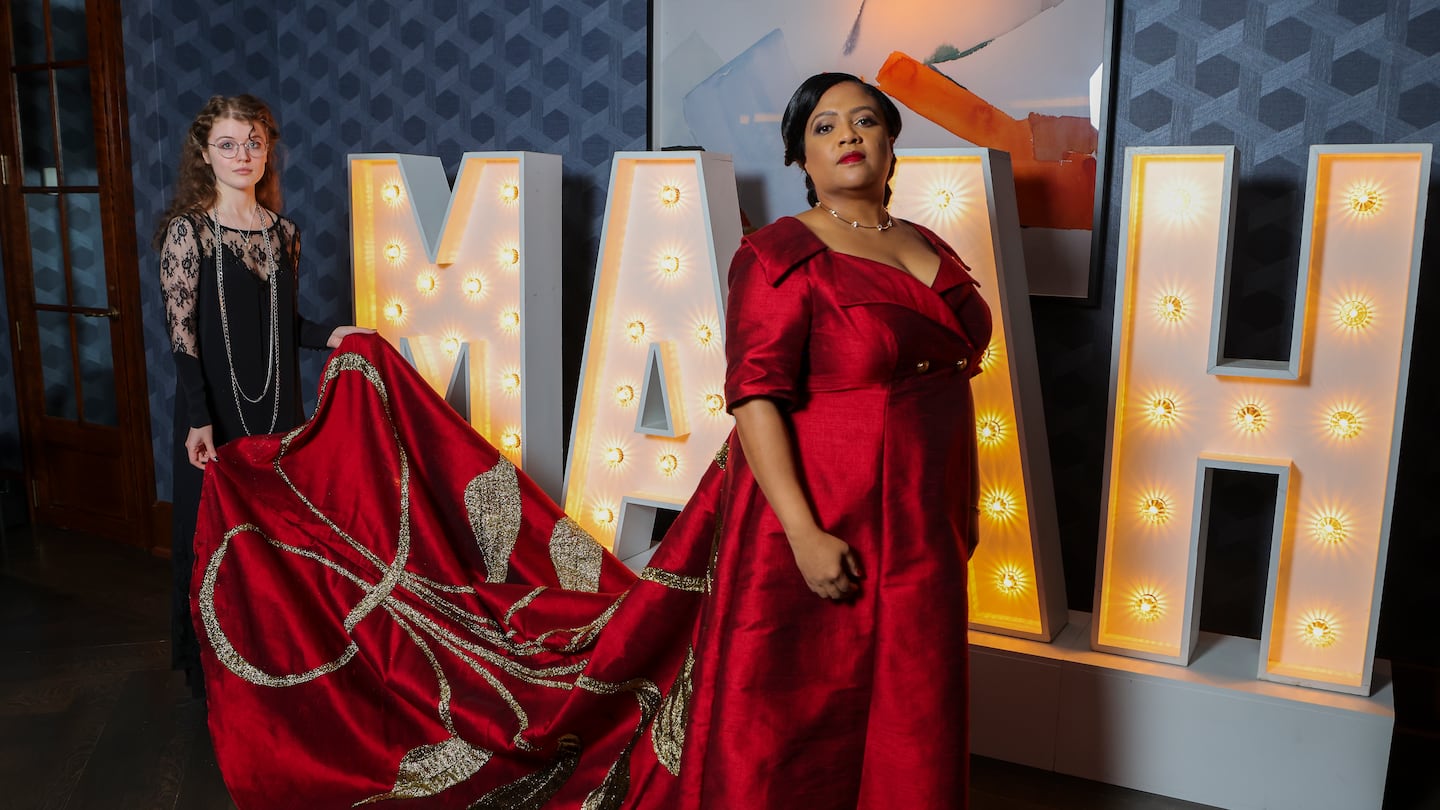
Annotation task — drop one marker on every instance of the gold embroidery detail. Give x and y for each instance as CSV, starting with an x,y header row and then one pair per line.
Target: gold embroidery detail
x,y
225,651
492,501
722,456
668,735
430,769
670,579
612,790
576,556
531,792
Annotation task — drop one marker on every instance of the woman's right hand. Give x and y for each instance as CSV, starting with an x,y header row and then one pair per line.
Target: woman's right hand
x,y
830,567
200,446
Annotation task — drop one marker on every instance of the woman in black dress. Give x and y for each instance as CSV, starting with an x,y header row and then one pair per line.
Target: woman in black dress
x,y
228,265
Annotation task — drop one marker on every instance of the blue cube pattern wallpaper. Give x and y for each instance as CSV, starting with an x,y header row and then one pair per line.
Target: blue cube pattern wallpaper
x,y
436,77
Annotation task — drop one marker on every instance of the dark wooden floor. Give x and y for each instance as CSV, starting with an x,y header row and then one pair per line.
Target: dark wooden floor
x,y
92,717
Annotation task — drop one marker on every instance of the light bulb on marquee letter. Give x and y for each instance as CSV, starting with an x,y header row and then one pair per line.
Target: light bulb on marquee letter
x,y
1290,420
405,217
967,197
672,223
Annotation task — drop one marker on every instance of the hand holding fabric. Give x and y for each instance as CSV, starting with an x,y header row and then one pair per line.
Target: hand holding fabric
x,y
342,331
200,446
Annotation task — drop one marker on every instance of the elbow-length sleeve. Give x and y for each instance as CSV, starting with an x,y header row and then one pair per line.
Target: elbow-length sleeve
x,y
767,328
180,290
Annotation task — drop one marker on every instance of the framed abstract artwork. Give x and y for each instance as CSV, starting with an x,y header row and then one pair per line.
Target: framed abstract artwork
x,y
1023,76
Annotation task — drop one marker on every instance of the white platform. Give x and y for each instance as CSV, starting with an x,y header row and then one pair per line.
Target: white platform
x,y
1209,733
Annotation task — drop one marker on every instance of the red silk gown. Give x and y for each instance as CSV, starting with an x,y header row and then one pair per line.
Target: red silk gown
x,y
392,614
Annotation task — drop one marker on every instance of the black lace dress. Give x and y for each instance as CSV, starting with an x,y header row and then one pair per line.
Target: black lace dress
x,y
205,392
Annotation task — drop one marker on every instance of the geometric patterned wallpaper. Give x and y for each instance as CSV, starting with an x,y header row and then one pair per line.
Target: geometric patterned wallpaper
x,y
569,76
1271,78
431,77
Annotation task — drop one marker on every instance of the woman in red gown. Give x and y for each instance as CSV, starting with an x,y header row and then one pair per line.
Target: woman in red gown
x,y
797,641
851,340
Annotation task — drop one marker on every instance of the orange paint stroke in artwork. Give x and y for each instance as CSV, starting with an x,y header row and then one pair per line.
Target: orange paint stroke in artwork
x,y
1053,156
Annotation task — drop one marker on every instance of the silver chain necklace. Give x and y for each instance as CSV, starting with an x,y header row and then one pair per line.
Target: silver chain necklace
x,y
272,363
884,226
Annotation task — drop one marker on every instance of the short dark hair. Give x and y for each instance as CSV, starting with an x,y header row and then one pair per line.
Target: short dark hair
x,y
802,104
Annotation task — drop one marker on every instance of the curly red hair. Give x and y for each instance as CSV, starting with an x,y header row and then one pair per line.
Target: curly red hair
x,y
195,191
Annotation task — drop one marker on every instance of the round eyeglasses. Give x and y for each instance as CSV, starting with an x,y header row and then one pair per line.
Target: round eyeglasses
x,y
230,149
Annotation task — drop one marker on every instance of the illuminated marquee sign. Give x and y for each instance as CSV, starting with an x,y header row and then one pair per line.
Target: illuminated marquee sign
x,y
467,285
967,196
1325,423
651,407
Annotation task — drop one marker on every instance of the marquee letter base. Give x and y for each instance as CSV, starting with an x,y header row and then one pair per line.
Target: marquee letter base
x,y
1209,733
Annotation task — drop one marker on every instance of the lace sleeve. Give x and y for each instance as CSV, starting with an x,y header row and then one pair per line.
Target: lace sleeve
x,y
180,283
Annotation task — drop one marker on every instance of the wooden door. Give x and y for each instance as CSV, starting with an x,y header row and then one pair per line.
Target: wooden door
x,y
70,269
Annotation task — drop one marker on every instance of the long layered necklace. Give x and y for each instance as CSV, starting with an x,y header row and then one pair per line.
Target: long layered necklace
x,y
272,363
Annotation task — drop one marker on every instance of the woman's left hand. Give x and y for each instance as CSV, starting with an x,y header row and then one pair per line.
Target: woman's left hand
x,y
341,331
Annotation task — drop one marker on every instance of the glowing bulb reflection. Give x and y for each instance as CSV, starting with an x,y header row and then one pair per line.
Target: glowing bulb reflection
x,y
510,320
669,265
669,195
426,283
450,345
614,456
509,256
395,312
1010,579
509,193
1364,200
624,395
714,404
1155,509
1318,629
1343,423
1147,606
635,330
998,505
1330,529
1354,313
1171,308
510,440
668,464
394,252
990,430
989,357
1250,417
391,193
1162,410
704,334
510,382
943,198
473,286
603,515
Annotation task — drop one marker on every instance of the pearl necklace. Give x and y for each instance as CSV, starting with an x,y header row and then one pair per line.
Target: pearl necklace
x,y
272,363
884,226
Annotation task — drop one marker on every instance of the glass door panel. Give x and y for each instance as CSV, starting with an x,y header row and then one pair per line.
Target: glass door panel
x,y
27,20
37,132
46,261
58,365
97,370
87,252
77,127
67,28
